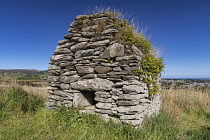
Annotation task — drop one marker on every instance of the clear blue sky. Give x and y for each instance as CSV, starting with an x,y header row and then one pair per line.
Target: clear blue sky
x,y
30,30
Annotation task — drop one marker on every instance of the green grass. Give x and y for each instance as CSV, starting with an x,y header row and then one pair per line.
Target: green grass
x,y
23,116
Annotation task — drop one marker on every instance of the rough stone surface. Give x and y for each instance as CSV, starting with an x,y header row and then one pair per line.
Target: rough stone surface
x,y
84,69
91,70
92,84
133,88
114,50
83,53
100,69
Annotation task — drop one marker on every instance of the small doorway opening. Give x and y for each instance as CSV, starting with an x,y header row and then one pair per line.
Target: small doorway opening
x,y
84,98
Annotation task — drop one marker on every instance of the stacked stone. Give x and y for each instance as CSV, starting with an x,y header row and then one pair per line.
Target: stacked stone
x,y
90,69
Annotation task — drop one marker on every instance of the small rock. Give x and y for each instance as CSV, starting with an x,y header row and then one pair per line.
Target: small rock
x,y
96,84
104,105
79,46
100,69
84,69
65,86
133,88
113,50
98,44
83,53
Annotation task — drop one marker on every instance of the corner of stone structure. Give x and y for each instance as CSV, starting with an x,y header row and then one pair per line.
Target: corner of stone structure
x,y
90,68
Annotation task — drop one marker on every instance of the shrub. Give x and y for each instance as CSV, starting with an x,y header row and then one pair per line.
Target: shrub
x,y
15,99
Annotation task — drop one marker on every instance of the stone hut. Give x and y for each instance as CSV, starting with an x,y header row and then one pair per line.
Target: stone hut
x,y
91,70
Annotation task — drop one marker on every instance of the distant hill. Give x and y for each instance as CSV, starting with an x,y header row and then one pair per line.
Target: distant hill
x,y
23,71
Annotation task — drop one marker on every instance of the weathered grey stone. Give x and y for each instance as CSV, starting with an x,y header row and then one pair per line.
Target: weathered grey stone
x,y
89,28
144,101
101,19
103,111
79,46
103,94
76,39
74,24
83,53
81,17
99,38
133,88
118,73
134,64
136,50
120,84
104,105
115,97
130,68
117,69
124,58
72,30
97,53
128,117
116,92
64,64
65,86
115,79
71,91
100,69
89,76
87,34
69,73
100,60
83,39
53,67
60,42
138,108
127,103
131,77
131,97
53,79
108,31
84,69
104,100
67,45
115,64
92,84
56,57
98,44
68,36
113,50
69,79
123,109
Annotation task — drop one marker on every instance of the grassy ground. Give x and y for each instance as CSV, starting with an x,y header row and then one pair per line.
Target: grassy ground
x,y
185,116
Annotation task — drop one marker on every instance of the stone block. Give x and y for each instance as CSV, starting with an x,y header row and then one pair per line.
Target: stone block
x,y
65,86
104,105
113,50
84,69
101,69
83,53
128,117
98,44
127,103
79,46
96,84
69,79
133,88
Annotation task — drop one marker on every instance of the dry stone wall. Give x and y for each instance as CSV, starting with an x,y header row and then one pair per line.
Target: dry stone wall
x,y
90,69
